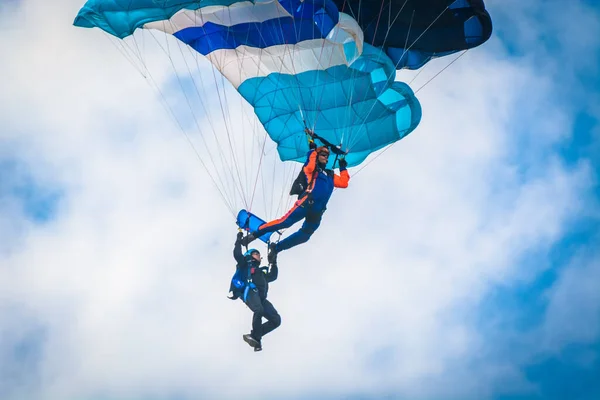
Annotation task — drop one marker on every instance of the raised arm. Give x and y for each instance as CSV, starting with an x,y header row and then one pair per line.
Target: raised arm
x,y
310,164
237,249
341,180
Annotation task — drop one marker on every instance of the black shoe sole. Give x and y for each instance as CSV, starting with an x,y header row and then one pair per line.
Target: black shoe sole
x,y
252,342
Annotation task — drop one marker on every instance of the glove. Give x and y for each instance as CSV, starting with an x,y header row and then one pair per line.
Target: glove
x,y
343,163
312,145
240,235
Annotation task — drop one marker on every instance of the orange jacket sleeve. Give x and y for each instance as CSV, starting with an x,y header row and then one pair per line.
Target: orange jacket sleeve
x,y
310,166
341,180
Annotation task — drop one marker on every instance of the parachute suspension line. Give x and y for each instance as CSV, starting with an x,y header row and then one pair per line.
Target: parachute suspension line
x,y
225,183
195,118
227,129
354,173
238,187
259,170
284,204
349,99
257,148
272,197
362,128
283,199
420,71
226,118
244,144
400,58
230,137
349,108
425,84
389,27
349,114
377,24
134,52
352,141
267,211
412,17
302,116
294,170
120,46
300,98
152,83
443,69
251,122
272,110
258,173
261,148
421,35
318,98
200,98
247,165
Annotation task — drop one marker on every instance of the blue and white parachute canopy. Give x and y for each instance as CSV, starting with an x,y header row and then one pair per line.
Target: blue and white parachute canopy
x,y
298,63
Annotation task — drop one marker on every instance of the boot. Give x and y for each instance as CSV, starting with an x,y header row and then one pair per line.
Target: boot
x,y
252,342
248,239
272,256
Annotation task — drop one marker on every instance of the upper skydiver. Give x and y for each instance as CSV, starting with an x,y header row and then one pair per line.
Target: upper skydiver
x,y
314,186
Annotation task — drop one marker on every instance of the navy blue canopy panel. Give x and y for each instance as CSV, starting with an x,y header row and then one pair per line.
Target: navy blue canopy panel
x,y
412,32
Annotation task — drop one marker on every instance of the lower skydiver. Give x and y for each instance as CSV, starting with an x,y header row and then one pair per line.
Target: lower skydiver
x,y
251,283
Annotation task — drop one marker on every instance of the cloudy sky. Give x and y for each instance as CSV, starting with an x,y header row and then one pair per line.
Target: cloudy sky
x,y
463,263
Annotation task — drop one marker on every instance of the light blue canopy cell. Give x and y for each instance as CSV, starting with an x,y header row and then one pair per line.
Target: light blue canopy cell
x,y
298,63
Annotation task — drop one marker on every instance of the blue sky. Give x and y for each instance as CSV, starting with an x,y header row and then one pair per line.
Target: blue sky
x,y
521,309
477,276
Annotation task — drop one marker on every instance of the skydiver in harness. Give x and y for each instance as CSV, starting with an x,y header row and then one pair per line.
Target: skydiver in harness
x,y
314,186
251,283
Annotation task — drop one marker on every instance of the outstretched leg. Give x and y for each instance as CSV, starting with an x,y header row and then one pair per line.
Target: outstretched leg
x,y
295,214
309,227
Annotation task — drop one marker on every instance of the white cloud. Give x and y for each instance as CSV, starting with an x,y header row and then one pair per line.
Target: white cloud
x,y
130,279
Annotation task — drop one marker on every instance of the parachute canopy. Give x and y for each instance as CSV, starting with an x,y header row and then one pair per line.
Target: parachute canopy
x,y
298,63
412,32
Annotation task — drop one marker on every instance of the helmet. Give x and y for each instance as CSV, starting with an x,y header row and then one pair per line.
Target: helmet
x,y
323,149
248,254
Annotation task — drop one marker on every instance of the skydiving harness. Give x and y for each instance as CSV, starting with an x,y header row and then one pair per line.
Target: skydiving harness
x,y
240,284
300,184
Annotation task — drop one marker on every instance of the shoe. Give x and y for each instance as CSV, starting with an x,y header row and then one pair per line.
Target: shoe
x,y
248,239
252,342
272,256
